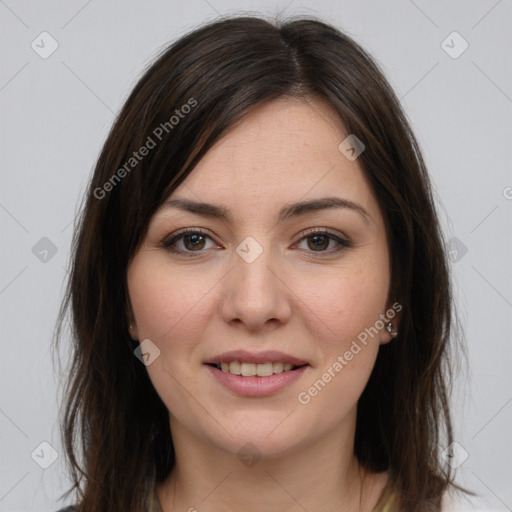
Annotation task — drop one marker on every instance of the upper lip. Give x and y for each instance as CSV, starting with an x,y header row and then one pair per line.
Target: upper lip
x,y
243,356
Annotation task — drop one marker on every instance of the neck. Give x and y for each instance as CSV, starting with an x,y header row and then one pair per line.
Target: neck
x,y
320,476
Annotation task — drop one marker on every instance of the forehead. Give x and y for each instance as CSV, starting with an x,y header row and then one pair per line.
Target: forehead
x,y
283,151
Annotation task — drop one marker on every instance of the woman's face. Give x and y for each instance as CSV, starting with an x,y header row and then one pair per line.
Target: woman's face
x,y
259,283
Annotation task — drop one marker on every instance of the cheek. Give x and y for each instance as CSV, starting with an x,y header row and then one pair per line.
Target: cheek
x,y
347,345
349,305
344,303
167,304
170,310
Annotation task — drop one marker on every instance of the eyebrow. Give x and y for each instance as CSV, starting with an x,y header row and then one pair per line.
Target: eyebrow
x,y
288,211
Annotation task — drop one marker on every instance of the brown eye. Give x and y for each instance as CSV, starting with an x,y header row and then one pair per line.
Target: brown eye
x,y
196,242
188,243
319,241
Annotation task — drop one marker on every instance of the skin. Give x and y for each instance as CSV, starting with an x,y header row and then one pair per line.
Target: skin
x,y
293,298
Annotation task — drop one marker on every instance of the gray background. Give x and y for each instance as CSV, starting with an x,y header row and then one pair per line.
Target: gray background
x,y
56,113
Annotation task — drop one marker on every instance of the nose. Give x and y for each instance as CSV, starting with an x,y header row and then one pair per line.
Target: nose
x,y
256,295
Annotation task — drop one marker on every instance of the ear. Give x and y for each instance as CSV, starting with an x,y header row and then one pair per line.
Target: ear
x,y
392,315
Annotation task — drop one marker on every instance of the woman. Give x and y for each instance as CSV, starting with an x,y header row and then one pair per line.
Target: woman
x,y
259,289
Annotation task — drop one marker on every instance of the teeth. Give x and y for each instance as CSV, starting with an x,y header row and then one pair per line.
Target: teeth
x,y
264,369
234,368
252,369
278,367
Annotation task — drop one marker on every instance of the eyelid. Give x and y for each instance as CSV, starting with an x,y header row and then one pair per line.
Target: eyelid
x,y
328,231
342,241
169,239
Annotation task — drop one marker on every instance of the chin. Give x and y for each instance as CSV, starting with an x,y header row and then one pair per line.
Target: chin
x,y
257,437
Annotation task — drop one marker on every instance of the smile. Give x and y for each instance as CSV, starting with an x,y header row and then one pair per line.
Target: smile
x,y
252,384
252,369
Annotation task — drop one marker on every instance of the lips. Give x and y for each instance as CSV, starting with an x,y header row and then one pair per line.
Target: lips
x,y
254,374
243,356
256,386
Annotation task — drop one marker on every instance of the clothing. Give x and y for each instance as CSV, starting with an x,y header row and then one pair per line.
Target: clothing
x,y
153,503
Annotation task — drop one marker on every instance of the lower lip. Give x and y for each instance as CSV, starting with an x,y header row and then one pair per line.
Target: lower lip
x,y
256,386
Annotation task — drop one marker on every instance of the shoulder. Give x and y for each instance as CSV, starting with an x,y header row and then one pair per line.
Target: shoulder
x,y
71,508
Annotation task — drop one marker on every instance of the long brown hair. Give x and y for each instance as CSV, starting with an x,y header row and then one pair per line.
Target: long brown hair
x,y
115,427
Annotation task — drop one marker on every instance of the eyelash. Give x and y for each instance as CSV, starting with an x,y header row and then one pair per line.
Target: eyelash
x,y
169,244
